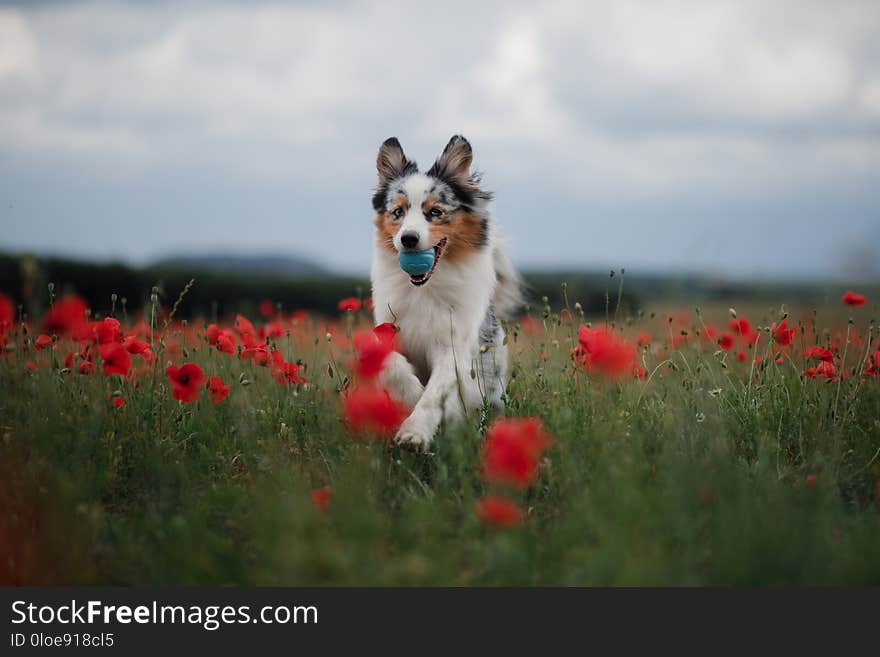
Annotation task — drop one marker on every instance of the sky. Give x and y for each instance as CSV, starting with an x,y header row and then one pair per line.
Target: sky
x,y
737,139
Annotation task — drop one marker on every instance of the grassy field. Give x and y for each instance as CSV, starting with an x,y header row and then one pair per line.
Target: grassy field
x,y
710,468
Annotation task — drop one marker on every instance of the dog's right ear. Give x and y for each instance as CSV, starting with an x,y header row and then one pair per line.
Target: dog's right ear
x,y
391,162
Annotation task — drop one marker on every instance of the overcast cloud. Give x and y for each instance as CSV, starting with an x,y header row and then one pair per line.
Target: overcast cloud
x,y
736,138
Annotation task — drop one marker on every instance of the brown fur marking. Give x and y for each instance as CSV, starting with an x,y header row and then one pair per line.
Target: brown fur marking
x,y
462,231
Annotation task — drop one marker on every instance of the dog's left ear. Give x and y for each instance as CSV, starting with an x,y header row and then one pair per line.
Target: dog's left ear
x,y
455,161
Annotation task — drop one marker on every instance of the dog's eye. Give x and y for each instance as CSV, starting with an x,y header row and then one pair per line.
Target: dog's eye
x,y
397,213
434,213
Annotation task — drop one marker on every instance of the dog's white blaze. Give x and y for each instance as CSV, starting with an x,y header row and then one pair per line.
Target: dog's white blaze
x,y
416,188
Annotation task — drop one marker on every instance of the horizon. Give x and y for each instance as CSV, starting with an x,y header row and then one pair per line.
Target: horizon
x,y
701,275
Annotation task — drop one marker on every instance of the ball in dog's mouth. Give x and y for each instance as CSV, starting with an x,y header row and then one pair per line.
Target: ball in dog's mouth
x,y
421,279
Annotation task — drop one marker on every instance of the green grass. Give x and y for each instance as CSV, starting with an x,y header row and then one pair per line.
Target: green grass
x,y
665,482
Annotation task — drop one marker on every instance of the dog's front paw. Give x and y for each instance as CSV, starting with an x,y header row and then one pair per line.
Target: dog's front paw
x,y
415,432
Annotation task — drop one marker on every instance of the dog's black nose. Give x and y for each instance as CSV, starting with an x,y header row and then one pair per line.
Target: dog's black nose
x,y
409,240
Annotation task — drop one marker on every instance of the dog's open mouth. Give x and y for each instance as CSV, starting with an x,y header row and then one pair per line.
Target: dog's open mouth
x,y
421,279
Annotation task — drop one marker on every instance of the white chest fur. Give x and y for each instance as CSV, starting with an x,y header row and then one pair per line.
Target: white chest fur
x,y
445,313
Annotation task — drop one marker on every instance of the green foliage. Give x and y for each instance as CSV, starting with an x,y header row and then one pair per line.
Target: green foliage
x,y
697,476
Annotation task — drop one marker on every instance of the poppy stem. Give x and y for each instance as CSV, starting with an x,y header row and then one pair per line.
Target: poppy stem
x,y
840,375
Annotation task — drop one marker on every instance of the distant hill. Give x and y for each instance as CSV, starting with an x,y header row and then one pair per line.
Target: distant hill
x,y
264,265
226,284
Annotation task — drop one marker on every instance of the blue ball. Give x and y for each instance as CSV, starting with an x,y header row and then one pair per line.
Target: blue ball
x,y
416,263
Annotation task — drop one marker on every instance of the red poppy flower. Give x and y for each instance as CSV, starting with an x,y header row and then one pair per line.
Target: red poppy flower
x,y
708,335
84,332
244,328
274,330
321,498
604,351
386,332
781,333
226,343
42,341
741,327
187,381
350,303
726,341
285,373
218,390
107,330
66,316
31,366
267,308
221,339
643,340
137,347
811,480
873,368
116,359
373,410
7,314
212,333
512,451
498,511
851,298
257,353
824,369
741,356
819,353
243,325
372,348
87,367
118,402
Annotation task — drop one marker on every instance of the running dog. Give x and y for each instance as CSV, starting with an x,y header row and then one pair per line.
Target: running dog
x,y
452,359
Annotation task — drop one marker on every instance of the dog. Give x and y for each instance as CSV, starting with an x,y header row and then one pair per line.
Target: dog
x,y
452,357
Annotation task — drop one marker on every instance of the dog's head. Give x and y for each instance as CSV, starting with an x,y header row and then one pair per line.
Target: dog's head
x,y
443,208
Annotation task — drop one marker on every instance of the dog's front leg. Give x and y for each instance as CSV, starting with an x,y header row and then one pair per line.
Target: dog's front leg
x,y
419,428
399,377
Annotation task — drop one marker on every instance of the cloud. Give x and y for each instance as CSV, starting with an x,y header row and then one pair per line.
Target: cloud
x,y
591,104
17,46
